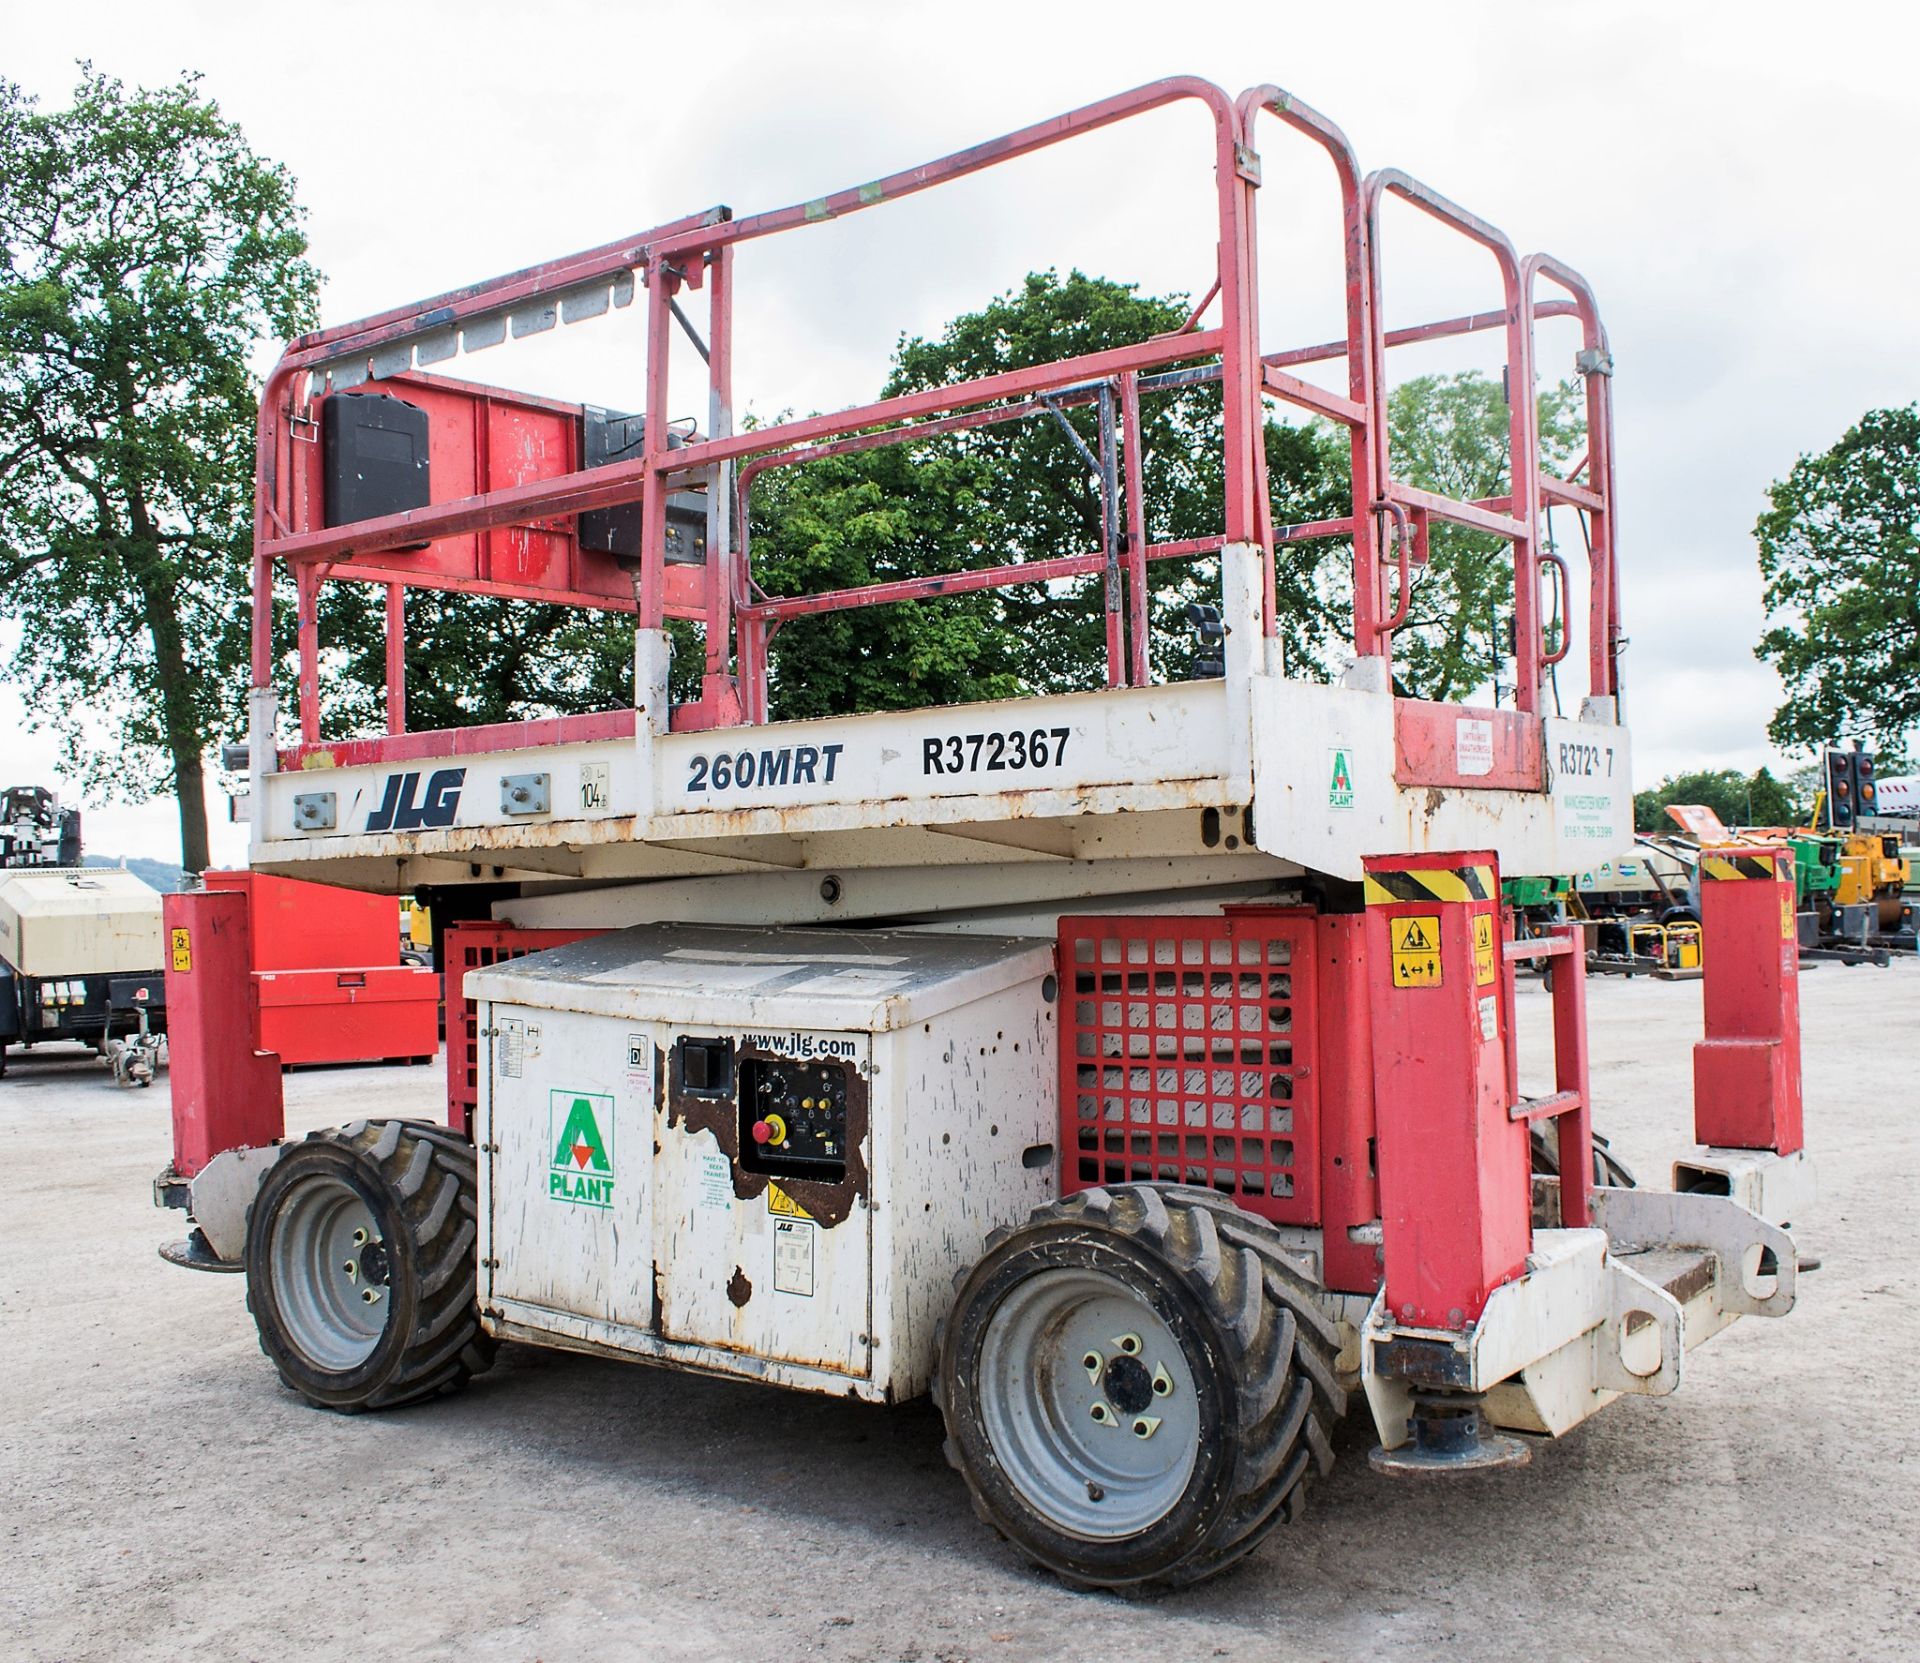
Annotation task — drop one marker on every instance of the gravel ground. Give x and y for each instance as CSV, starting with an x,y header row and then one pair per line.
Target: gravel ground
x,y
165,1498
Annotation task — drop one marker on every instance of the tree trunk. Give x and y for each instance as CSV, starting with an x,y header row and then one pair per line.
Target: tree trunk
x,y
147,563
176,708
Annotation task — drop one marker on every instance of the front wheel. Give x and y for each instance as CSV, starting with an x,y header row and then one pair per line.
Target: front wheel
x,y
360,1260
1138,1384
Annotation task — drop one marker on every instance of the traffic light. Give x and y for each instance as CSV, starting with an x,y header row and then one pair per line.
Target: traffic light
x,y
1851,793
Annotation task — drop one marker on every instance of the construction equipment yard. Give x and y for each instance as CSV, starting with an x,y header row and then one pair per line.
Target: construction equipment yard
x,y
1034,1002
167,1497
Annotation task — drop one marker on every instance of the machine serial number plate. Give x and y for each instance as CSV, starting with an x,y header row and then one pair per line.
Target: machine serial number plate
x,y
993,753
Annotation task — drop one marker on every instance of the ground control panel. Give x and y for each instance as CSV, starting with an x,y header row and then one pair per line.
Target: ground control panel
x,y
795,1116
743,1149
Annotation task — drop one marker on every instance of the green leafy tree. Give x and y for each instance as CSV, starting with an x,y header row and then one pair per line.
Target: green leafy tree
x,y
1017,491
1044,499
1739,799
1840,554
145,251
899,511
1448,433
476,659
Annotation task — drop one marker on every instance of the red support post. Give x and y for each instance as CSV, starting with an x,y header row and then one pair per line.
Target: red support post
x,y
396,658
720,551
306,583
1570,1078
1349,1193
653,502
1746,1071
1455,1185
226,1095
1139,668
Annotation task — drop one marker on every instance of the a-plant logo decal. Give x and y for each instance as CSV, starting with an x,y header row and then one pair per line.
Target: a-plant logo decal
x,y
582,1167
1340,780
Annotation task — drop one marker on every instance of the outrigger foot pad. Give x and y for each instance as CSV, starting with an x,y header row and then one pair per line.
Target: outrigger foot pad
x,y
1450,1435
196,1253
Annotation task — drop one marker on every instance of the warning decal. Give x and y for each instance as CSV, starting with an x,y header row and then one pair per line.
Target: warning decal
x,y
182,946
1416,950
782,1205
1483,959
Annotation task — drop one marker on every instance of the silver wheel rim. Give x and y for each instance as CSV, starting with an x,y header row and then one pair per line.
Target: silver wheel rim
x,y
330,1271
1088,1403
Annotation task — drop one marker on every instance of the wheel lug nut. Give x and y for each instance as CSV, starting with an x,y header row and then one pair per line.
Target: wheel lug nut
x,y
1144,1426
369,1295
359,1238
1129,1344
349,1267
1102,1414
1162,1382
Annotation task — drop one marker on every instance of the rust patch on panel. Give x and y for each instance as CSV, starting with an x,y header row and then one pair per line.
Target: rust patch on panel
x,y
739,1289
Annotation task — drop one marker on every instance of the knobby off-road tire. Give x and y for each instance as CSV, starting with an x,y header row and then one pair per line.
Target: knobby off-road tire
x,y
1158,1303
360,1256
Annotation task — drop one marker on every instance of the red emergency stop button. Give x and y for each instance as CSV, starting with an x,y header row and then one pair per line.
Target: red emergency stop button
x,y
772,1130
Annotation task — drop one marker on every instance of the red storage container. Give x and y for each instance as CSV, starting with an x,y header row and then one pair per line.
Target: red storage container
x,y
301,926
383,1013
327,974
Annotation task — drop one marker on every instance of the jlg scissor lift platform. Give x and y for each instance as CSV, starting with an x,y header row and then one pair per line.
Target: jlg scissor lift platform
x,y
1174,1020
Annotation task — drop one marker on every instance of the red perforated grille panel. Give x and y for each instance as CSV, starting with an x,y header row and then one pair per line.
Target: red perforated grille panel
x,y
1187,1057
474,947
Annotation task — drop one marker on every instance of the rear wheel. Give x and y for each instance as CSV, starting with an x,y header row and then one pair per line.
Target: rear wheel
x,y
1608,1169
360,1261
1138,1385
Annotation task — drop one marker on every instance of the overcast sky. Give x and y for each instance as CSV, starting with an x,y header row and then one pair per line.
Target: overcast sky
x,y
1738,181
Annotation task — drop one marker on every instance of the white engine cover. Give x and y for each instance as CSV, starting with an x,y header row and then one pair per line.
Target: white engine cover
x,y
626,1207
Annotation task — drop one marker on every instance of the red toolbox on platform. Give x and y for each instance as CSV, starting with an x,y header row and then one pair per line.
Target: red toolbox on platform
x,y
327,972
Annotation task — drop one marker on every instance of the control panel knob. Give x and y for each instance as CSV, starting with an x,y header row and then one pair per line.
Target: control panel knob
x,y
772,1130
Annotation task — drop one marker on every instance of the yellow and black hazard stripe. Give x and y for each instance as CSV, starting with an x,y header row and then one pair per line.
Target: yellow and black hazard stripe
x,y
1725,867
1431,883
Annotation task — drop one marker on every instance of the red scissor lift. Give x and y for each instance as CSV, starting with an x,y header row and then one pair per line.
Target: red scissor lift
x,y
1378,1162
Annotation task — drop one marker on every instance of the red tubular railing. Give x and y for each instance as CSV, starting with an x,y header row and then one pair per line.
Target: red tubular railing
x,y
696,251
1596,363
1523,443
1363,386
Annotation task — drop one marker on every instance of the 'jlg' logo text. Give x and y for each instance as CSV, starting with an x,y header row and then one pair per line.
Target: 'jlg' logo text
x,y
398,811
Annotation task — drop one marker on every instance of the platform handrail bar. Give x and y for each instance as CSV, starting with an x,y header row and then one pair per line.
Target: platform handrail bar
x,y
1523,443
1402,539
695,251
1596,367
711,234
1469,323
1088,118
1363,383
1550,656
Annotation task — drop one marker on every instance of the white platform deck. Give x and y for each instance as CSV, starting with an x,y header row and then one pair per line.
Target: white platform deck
x,y
1239,771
